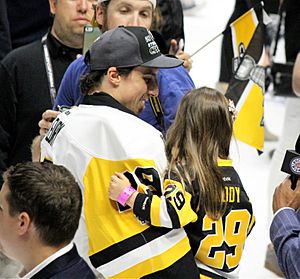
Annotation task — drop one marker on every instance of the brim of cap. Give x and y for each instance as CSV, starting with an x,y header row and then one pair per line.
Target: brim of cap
x,y
163,61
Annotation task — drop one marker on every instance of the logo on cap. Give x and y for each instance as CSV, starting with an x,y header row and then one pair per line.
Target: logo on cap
x,y
152,46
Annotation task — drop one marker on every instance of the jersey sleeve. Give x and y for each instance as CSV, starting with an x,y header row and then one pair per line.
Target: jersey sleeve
x,y
47,150
171,210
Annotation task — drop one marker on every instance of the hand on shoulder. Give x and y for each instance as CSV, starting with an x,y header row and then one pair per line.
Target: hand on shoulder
x,y
47,118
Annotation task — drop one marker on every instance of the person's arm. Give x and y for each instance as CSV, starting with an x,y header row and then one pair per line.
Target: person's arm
x,y
172,210
173,84
296,76
47,118
177,50
285,228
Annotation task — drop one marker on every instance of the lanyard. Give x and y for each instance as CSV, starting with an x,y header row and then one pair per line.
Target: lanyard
x,y
49,69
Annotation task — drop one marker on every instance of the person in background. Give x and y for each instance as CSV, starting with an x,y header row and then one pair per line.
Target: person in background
x,y
40,206
226,69
170,25
285,228
34,16
291,27
173,84
5,44
291,118
202,192
240,7
31,75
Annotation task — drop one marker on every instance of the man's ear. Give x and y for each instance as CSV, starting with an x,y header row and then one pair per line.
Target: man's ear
x,y
113,76
52,4
24,222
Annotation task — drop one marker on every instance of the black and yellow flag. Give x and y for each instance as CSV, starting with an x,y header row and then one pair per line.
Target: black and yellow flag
x,y
246,87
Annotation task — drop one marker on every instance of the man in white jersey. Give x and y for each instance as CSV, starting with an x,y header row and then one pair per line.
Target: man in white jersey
x,y
104,135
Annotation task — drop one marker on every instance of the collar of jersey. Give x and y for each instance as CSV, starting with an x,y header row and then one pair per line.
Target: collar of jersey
x,y
104,99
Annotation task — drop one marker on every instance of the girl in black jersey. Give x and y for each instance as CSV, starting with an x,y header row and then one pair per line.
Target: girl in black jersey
x,y
201,190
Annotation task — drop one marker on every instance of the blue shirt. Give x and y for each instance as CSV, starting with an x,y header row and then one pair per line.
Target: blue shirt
x,y
173,84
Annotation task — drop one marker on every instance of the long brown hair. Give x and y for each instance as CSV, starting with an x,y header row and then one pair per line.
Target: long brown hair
x,y
200,134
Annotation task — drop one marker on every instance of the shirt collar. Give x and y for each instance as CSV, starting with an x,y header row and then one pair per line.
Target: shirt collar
x,y
104,99
47,261
56,48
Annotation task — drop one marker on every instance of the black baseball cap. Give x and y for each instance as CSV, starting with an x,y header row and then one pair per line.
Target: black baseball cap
x,y
125,47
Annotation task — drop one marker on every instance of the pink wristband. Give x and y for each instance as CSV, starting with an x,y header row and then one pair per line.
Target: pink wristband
x,y
125,195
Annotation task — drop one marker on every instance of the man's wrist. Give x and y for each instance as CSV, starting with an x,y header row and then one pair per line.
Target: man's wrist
x,y
282,208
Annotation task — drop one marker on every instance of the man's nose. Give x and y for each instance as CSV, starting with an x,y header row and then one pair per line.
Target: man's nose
x,y
134,20
82,6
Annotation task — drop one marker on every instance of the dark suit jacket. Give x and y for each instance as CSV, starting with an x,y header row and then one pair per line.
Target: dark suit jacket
x,y
69,265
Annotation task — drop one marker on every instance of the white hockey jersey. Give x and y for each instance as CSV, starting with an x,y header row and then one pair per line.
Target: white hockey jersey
x,y
93,142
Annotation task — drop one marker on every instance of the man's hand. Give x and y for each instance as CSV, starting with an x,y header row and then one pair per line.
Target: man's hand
x,y
284,196
176,50
47,117
188,62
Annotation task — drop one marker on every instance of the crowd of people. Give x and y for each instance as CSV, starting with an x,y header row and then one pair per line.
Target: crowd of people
x,y
132,175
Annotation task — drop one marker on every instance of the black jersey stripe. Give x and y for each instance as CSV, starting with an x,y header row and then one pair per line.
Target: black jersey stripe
x,y
118,249
174,216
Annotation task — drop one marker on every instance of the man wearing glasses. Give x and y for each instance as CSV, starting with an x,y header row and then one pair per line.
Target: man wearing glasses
x,y
104,135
